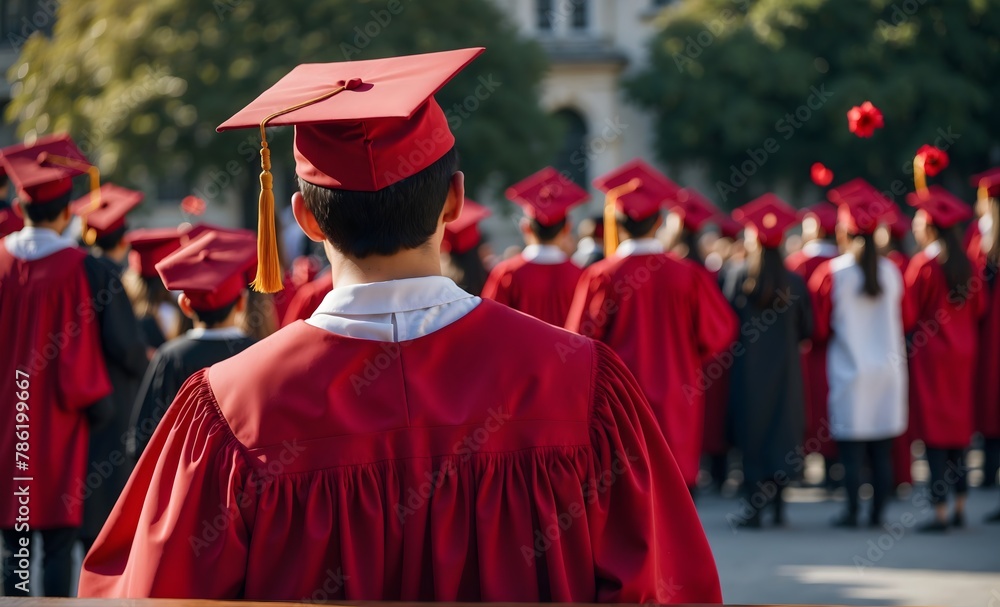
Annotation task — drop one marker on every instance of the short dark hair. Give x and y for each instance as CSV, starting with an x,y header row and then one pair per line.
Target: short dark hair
x,y
213,318
44,212
546,233
637,228
110,240
401,216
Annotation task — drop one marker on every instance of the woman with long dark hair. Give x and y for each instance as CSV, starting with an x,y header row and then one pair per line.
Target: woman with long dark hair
x,y
766,398
941,313
857,299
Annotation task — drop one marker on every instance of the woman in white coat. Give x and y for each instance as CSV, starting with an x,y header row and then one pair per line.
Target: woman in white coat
x,y
857,299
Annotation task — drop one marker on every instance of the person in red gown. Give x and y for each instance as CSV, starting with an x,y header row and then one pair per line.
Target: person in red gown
x,y
984,251
464,250
57,377
663,316
409,441
540,281
941,313
819,225
308,297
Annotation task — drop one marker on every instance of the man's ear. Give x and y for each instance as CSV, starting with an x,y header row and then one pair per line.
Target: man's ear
x,y
18,210
184,302
241,303
305,218
525,226
456,198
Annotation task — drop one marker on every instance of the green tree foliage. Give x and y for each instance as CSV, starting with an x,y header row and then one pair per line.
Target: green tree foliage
x,y
759,90
142,85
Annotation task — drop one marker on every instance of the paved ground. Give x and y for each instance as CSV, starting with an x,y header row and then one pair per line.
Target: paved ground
x,y
810,562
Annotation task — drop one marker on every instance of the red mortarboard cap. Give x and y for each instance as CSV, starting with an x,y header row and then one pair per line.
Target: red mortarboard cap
x,y
212,270
898,223
462,235
988,183
770,216
651,189
855,187
942,207
695,210
825,214
359,125
149,247
197,230
546,196
109,215
44,170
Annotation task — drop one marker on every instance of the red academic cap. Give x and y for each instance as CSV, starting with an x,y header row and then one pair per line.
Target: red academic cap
x,y
546,196
197,230
825,214
898,223
359,125
44,170
988,183
212,270
942,207
728,227
694,209
462,235
647,193
770,216
149,247
108,215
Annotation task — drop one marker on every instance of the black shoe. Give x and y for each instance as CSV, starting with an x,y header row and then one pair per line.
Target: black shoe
x,y
934,526
845,521
992,518
958,519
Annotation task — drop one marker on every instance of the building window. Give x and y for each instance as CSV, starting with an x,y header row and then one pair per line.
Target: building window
x,y
573,158
545,14
579,17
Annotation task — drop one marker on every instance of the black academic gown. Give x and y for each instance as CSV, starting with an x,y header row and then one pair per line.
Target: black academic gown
x,y
109,466
174,362
766,411
151,332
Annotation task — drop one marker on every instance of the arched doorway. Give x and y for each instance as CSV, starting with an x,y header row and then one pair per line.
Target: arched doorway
x,y
572,159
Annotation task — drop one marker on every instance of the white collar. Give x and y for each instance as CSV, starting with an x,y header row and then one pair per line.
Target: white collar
x,y
932,250
31,243
213,334
986,232
544,254
395,310
640,246
820,248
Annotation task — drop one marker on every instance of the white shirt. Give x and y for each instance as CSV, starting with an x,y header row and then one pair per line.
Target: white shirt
x,y
543,254
640,246
933,250
866,356
819,248
986,232
395,310
584,248
216,334
31,243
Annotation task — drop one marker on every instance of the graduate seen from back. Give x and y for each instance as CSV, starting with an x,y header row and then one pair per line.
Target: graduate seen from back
x,y
408,441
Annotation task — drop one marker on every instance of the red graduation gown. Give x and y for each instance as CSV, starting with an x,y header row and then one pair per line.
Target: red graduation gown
x,y
9,222
714,440
307,298
50,332
664,317
317,466
817,438
544,291
986,388
942,355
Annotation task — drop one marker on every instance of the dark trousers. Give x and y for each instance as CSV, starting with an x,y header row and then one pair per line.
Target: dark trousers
x,y
57,561
991,461
947,467
852,456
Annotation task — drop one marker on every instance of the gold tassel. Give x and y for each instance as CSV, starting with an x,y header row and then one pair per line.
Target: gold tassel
x,y
269,279
983,192
610,221
919,176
